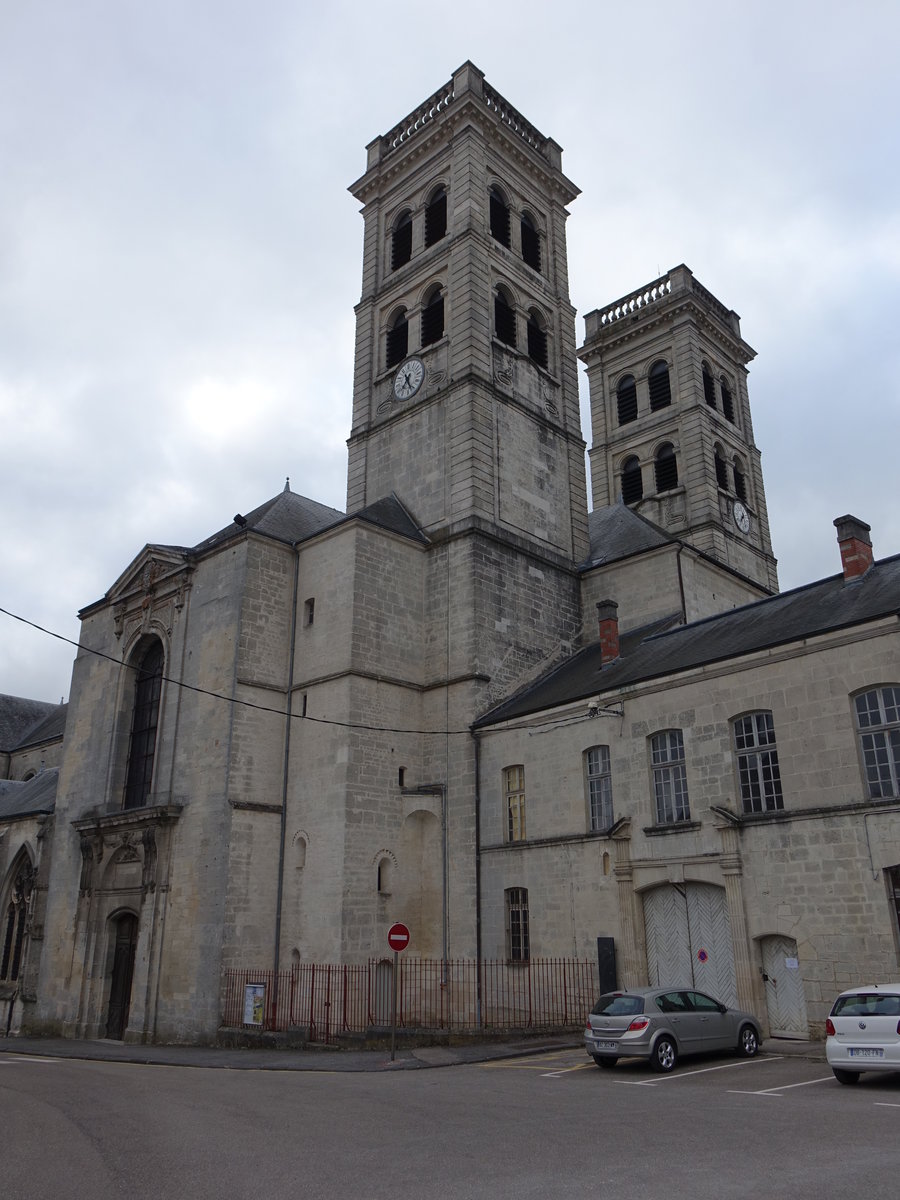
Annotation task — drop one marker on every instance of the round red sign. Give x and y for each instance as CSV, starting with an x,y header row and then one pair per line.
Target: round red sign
x,y
398,936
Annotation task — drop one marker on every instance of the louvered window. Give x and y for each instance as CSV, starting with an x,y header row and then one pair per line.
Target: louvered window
x,y
632,481
709,387
531,243
757,761
666,468
401,241
433,318
626,399
499,218
504,319
740,483
727,402
660,390
721,470
398,340
436,218
537,341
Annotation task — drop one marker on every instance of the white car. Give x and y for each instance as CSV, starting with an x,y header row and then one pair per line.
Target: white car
x,y
863,1031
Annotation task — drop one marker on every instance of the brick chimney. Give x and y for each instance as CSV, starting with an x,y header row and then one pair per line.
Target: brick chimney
x,y
856,546
608,621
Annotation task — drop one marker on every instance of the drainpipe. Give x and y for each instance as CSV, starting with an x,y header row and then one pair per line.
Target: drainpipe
x,y
478,980
285,776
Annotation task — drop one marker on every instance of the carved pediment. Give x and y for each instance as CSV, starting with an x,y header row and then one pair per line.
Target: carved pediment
x,y
151,590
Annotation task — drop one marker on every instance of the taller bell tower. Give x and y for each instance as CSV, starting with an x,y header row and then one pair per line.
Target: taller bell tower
x,y
465,391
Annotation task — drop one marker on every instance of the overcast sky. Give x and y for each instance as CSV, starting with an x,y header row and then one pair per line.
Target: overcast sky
x,y
179,255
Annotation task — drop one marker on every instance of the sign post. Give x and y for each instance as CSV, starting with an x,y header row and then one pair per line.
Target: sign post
x,y
398,939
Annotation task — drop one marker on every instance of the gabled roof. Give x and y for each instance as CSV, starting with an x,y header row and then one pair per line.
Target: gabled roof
x,y
390,513
20,717
286,517
816,608
29,798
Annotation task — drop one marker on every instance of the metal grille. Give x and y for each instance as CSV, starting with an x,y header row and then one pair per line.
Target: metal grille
x,y
463,996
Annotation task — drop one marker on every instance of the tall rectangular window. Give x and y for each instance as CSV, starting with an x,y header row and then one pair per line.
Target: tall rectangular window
x,y
599,785
757,761
669,777
517,949
878,722
514,792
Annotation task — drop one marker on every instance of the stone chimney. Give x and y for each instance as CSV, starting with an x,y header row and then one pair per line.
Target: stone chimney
x,y
608,620
856,546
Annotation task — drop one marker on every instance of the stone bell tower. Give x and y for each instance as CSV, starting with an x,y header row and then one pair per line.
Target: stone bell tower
x,y
465,390
672,434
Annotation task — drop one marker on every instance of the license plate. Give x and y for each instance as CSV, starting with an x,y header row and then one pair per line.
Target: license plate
x,y
860,1052
606,1045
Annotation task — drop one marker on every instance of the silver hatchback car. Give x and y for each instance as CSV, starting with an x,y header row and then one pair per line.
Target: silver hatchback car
x,y
660,1024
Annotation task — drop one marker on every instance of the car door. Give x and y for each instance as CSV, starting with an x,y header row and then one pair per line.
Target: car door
x,y
675,1014
715,1029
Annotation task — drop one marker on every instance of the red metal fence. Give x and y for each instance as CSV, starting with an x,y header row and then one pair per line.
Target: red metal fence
x,y
461,996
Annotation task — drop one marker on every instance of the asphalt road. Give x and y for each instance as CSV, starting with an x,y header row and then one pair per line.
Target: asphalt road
x,y
553,1125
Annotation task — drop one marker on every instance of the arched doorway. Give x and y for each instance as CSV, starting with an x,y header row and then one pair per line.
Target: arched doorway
x,y
689,939
124,933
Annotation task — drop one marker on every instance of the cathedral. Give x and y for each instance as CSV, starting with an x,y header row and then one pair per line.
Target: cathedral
x,y
467,703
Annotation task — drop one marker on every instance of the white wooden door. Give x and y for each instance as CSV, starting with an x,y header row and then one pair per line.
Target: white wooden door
x,y
688,937
785,998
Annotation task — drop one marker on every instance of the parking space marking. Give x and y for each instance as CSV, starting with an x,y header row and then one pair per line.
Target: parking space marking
x,y
582,1066
9,1059
885,1104
752,1062
785,1087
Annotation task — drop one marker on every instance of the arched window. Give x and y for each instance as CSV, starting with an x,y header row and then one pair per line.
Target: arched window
x,y
433,317
14,913
727,402
632,481
740,482
666,468
531,242
398,338
504,317
145,717
401,240
499,217
626,399
709,386
660,390
721,468
537,338
436,217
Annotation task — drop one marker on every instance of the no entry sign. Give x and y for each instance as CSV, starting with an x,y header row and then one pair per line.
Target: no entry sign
x,y
398,936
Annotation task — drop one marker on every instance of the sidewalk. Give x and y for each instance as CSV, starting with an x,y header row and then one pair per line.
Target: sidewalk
x,y
406,1059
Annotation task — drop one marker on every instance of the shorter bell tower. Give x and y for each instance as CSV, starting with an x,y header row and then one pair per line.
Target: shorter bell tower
x,y
672,435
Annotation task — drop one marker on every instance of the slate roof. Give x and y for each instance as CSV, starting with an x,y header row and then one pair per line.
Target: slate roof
x,y
816,608
617,531
20,719
34,796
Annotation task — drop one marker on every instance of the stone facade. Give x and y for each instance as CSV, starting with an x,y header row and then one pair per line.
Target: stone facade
x,y
284,739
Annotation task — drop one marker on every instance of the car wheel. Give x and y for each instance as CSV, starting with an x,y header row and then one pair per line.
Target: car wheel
x,y
845,1076
748,1042
664,1056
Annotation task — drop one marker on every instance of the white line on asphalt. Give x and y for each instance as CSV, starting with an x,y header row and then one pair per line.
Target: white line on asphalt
x,y
884,1104
14,1058
785,1087
750,1062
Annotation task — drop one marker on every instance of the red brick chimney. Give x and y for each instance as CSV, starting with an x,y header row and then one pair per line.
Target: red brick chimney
x,y
608,621
856,546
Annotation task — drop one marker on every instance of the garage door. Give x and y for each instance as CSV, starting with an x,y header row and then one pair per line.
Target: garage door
x,y
689,939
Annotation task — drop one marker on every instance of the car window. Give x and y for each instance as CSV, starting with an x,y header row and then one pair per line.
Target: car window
x,y
617,1005
672,1002
866,1005
703,1003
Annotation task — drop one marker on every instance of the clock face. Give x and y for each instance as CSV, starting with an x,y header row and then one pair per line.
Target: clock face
x,y
409,378
741,517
